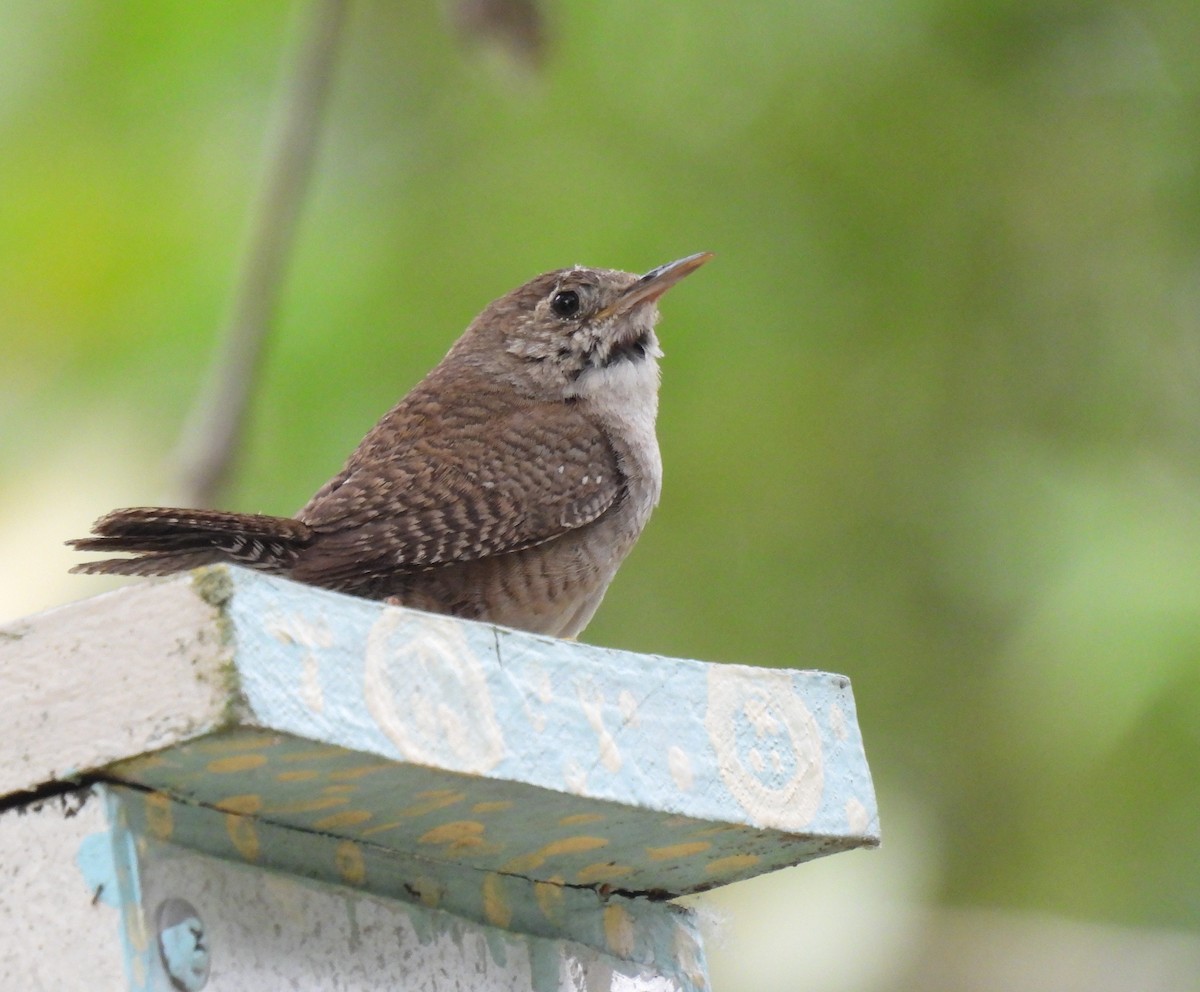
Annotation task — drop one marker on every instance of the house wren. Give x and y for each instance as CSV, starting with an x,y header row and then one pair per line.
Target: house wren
x,y
507,486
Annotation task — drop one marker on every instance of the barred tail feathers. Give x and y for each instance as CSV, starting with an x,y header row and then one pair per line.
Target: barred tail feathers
x,y
169,540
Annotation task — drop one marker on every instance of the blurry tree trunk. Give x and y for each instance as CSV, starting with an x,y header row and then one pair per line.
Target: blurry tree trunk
x,y
212,436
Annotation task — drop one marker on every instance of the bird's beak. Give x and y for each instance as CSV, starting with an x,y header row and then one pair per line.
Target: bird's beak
x,y
655,282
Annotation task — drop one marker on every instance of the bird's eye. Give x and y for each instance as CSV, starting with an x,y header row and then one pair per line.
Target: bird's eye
x,y
565,303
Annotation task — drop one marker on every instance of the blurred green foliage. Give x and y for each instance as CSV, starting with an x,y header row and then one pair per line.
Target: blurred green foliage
x,y
930,419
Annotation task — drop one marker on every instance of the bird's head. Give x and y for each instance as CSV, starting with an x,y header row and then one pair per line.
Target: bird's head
x,y
574,333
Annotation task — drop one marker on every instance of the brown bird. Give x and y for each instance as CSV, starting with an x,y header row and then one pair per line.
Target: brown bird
x,y
507,486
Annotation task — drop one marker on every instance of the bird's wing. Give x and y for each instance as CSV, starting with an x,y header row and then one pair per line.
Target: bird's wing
x,y
460,493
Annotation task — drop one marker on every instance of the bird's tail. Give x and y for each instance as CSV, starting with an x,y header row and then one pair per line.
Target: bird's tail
x,y
171,540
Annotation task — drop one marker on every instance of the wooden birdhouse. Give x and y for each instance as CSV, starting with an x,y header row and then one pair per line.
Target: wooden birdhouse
x,y
227,781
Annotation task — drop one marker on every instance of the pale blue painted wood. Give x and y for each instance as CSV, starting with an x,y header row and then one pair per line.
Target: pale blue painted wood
x,y
772,749
502,761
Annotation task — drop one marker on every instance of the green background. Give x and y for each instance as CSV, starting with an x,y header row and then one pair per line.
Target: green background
x,y
930,418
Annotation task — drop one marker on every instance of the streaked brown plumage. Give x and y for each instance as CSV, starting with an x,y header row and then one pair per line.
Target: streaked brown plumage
x,y
507,486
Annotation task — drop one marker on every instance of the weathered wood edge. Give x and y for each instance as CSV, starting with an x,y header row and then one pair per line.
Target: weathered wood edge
x,y
129,671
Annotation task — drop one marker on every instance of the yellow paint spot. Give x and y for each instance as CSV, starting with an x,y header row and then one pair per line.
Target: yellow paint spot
x,y
380,828
343,789
239,742
443,799
578,819
495,906
236,763
732,863
723,828
440,801
549,896
492,807
601,871
618,930
317,754
310,805
672,851
456,833
427,891
160,821
242,832
346,818
298,775
523,863
247,804
572,845
362,771
348,859
438,794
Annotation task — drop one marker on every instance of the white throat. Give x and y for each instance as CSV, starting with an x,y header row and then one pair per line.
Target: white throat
x,y
624,397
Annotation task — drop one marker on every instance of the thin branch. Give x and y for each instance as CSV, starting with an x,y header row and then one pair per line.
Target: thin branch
x,y
212,436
